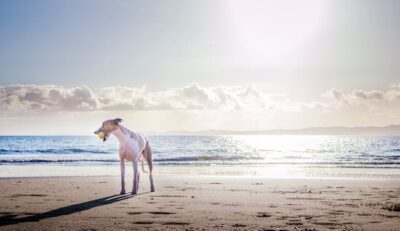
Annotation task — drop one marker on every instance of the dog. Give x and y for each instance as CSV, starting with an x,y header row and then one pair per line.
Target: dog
x,y
132,147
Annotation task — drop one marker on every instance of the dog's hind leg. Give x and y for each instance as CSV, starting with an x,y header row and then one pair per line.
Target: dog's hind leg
x,y
135,178
149,158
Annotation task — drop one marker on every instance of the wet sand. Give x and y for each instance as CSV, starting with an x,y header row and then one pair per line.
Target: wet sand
x,y
199,202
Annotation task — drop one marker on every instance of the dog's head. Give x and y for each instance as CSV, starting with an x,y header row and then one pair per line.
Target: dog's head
x,y
107,127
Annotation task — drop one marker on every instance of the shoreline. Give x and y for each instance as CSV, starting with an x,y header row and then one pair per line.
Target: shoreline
x,y
270,171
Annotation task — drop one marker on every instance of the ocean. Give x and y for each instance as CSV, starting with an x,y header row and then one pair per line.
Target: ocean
x,y
236,152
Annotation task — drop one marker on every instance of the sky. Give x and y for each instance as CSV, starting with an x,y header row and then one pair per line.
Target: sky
x,y
65,66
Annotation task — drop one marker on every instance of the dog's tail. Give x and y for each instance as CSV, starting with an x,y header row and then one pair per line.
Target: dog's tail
x,y
148,156
143,164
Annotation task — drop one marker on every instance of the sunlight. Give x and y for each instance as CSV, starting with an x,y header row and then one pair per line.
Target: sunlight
x,y
275,27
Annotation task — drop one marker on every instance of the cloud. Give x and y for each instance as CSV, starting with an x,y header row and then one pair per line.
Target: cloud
x,y
56,98
369,95
371,103
36,98
364,96
336,95
49,109
44,97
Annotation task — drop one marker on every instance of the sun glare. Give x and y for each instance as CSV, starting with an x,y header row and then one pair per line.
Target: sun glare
x,y
274,27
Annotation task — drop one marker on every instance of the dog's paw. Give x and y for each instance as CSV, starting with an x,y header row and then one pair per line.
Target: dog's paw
x,y
122,192
134,192
152,189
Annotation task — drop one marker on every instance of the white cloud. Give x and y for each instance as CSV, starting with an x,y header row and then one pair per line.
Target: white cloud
x,y
51,98
23,108
46,97
36,98
365,96
336,95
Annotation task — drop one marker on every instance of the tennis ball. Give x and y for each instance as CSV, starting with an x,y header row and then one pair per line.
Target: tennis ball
x,y
101,135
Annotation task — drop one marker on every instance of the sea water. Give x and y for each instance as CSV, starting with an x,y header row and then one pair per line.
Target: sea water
x,y
268,154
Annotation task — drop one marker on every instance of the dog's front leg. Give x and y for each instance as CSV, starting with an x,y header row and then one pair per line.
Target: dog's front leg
x,y
122,163
135,178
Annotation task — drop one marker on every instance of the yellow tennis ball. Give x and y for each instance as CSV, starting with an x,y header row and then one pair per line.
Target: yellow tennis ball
x,y
101,135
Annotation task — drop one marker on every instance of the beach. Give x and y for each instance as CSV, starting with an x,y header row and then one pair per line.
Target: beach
x,y
202,183
199,202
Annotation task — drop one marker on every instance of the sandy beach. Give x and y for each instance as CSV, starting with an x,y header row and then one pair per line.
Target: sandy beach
x,y
199,202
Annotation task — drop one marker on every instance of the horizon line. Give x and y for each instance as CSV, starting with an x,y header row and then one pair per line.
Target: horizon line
x,y
331,130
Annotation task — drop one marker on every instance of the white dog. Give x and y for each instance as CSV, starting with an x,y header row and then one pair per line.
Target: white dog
x,y
132,146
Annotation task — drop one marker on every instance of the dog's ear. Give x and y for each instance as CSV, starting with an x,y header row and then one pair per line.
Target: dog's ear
x,y
117,121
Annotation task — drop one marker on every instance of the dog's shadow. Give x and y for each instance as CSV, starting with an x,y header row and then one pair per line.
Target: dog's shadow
x,y
11,218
